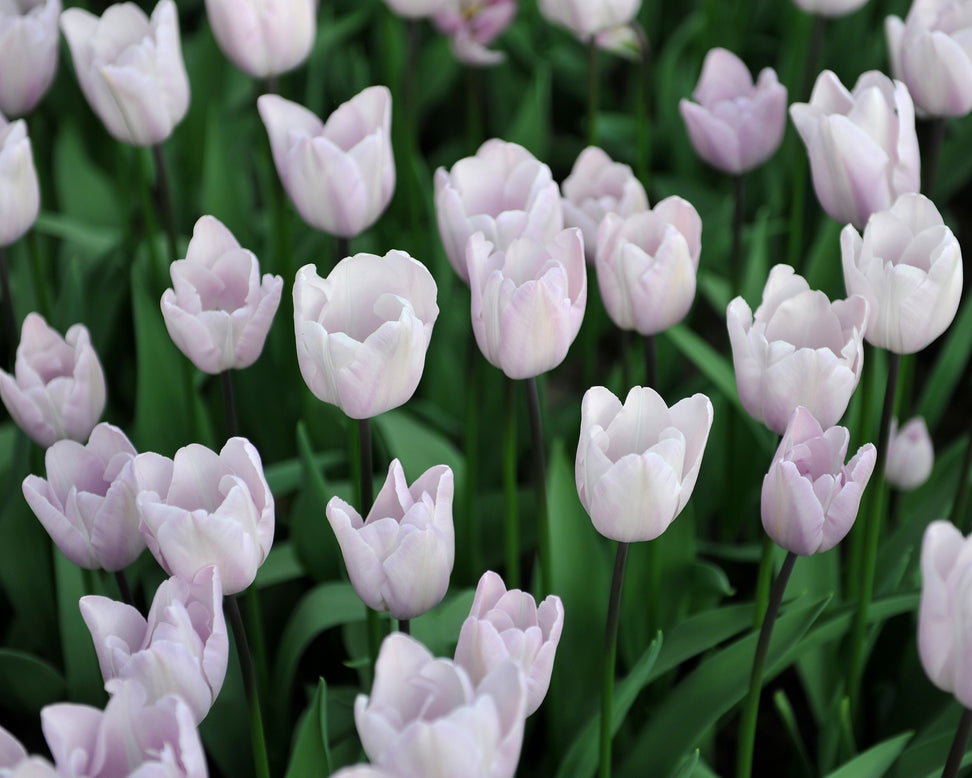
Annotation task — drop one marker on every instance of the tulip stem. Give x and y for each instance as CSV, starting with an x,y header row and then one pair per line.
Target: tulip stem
x,y
366,494
474,534
40,285
610,651
509,488
959,744
651,362
229,403
165,202
936,138
738,220
9,317
405,626
124,588
260,762
747,722
343,248
540,459
159,266
764,578
592,92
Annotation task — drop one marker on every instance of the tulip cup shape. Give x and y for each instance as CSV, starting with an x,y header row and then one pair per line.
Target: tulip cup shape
x,y
204,508
799,349
596,187
130,69
340,175
19,187
264,39
219,312
646,265
733,124
87,501
908,265
400,557
363,331
911,454
528,302
810,497
637,463
472,25
58,388
862,145
506,625
503,192
425,716
584,18
830,7
28,53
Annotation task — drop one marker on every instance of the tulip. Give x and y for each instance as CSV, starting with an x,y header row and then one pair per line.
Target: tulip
x,y
909,267
910,454
472,25
799,349
506,625
596,187
733,124
810,497
11,751
130,69
425,717
15,763
219,313
340,175
830,7
400,557
862,145
58,388
202,508
584,18
417,9
363,331
87,501
28,53
363,771
646,265
637,463
19,188
503,192
264,39
528,301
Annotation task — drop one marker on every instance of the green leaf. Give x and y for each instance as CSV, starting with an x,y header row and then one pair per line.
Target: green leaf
x,y
876,761
531,124
419,447
686,767
438,629
27,683
86,237
311,757
281,565
948,368
84,680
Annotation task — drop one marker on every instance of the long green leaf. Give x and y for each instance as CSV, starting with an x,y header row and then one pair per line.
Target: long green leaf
x,y
311,757
27,683
876,761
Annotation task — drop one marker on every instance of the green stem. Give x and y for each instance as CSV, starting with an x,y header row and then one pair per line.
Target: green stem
x,y
738,220
159,266
763,580
473,398
124,588
959,744
9,317
260,761
40,279
610,653
229,403
509,488
343,248
540,460
165,201
592,92
405,626
651,362
366,496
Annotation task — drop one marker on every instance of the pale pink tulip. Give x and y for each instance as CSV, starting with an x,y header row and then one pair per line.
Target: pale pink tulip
x,y
830,7
19,187
584,18
15,763
28,52
911,454
417,9
472,25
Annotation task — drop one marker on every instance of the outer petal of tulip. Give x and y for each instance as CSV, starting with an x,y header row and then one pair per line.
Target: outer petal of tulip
x,y
19,187
911,454
417,9
472,25
830,7
15,763
28,53
587,17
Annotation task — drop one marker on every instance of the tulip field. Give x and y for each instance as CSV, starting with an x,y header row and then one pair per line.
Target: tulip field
x,y
485,388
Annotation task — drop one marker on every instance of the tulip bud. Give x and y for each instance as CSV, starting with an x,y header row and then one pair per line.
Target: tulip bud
x,y
472,25
910,454
584,18
810,497
646,265
19,188
340,175
28,53
637,463
130,69
400,557
830,8
363,331
58,388
219,313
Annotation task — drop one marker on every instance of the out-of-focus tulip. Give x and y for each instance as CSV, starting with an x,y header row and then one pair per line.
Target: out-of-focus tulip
x,y
15,763
340,175
264,39
637,463
909,267
204,508
417,9
627,40
425,717
87,502
400,557
508,625
28,52
646,265
862,145
810,497
363,771
528,301
219,312
472,25
596,187
19,188
799,349
182,648
584,18
130,69
503,192
911,454
931,51
363,331
58,388
830,7
733,124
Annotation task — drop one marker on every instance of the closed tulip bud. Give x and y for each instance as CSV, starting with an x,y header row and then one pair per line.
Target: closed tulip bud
x,y
596,187
202,508
506,625
219,312
646,265
87,501
130,69
472,25
503,192
425,716
58,388
810,497
19,187
911,454
908,265
400,557
340,175
264,39
637,463
798,349
28,53
584,18
830,7
363,331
